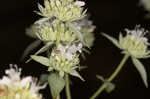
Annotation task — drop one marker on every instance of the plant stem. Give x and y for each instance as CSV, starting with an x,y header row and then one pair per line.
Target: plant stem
x,y
58,35
68,94
58,97
100,90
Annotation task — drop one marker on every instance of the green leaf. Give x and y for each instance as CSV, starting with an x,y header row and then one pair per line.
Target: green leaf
x,y
139,66
56,84
32,30
100,78
82,67
113,40
30,48
43,78
41,59
110,87
76,74
43,49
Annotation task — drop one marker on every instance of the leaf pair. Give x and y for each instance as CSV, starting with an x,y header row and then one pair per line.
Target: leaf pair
x,y
109,86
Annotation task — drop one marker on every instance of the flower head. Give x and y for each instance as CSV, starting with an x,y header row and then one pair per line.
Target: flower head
x,y
15,87
65,58
50,32
64,10
134,43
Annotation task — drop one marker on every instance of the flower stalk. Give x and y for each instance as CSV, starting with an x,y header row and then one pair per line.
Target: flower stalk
x,y
68,92
100,90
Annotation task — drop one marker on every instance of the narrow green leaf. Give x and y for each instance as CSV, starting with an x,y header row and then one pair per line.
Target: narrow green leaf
x,y
82,67
76,74
113,40
100,78
42,20
139,66
43,49
30,48
56,84
41,59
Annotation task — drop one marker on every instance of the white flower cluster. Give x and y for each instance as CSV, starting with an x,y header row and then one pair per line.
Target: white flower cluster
x,y
17,85
68,52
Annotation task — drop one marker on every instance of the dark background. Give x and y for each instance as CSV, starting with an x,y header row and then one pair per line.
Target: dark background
x,y
110,16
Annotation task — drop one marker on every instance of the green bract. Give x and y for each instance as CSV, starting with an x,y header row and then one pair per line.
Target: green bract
x,y
64,10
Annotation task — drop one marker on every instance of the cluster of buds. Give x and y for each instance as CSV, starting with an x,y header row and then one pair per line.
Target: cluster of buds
x,y
13,86
63,10
50,32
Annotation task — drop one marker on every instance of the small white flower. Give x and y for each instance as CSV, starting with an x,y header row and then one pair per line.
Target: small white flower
x,y
138,33
35,87
69,52
13,73
79,3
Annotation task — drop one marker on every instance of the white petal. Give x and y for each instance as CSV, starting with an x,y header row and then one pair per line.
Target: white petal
x,y
25,81
79,3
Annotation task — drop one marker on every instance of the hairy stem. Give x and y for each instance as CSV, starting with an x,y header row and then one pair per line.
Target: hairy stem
x,y
58,35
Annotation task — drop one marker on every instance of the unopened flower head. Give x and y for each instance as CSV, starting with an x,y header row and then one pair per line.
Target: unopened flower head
x,y
64,10
65,58
134,43
13,86
50,33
